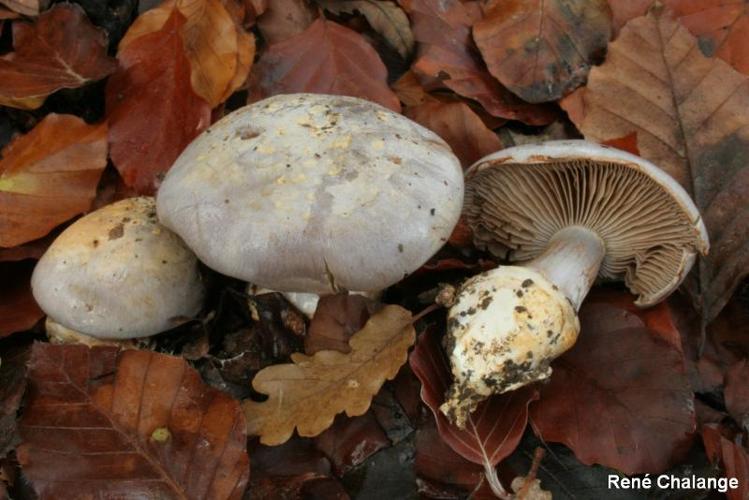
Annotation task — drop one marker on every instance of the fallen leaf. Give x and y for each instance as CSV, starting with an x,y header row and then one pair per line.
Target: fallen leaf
x,y
688,113
31,250
62,49
626,143
350,441
284,19
737,393
729,333
385,17
6,14
308,394
326,58
733,457
493,431
336,319
632,408
624,10
152,110
128,423
281,471
465,132
446,57
12,389
26,7
409,90
49,176
542,49
18,309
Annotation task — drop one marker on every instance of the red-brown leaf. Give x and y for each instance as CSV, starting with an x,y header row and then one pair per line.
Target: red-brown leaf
x,y
731,456
326,58
285,18
26,7
493,431
737,393
620,397
351,440
62,49
152,110
118,424
48,176
336,319
18,309
12,387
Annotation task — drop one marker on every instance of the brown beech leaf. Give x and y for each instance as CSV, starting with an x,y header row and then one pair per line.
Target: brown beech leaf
x,y
336,319
626,143
737,393
6,14
448,58
12,388
493,431
123,423
309,393
48,176
326,58
62,49
385,17
688,113
284,19
350,441
542,49
26,7
152,110
465,132
18,309
624,10
620,397
731,456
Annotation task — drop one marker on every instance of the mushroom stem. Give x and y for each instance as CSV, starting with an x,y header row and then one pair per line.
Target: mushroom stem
x,y
571,262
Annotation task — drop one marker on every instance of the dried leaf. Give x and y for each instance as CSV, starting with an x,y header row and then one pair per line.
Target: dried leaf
x,y
448,58
12,388
737,393
627,143
48,176
26,7
636,418
465,132
541,49
350,441
284,19
624,10
152,110
731,456
62,49
18,309
493,431
336,319
117,424
326,58
688,113
308,394
385,17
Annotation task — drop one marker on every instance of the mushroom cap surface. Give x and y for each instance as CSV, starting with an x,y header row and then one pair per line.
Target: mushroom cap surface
x,y
118,274
314,193
518,198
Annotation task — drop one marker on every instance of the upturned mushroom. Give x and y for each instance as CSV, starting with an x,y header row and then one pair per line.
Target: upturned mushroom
x,y
312,193
571,211
117,274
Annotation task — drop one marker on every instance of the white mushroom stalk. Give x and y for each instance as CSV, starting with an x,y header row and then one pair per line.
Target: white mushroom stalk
x,y
571,212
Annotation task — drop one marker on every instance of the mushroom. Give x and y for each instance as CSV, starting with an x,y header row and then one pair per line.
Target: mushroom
x,y
312,193
571,211
118,274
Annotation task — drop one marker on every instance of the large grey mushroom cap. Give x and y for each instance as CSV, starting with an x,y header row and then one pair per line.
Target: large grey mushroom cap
x,y
117,274
314,193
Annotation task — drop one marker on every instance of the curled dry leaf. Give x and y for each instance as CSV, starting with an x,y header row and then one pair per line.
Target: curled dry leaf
x,y
447,58
542,49
62,49
152,110
48,176
127,423
308,394
732,456
385,17
326,58
689,115
18,309
636,417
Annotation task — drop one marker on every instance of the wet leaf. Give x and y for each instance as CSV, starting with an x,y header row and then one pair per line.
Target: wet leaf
x,y
62,49
26,7
737,393
541,49
18,309
446,57
285,18
465,132
350,441
152,110
49,176
131,422
336,319
493,431
308,394
731,456
637,417
326,58
688,113
385,17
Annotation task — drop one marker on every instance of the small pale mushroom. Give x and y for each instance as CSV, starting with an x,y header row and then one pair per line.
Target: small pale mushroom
x,y
117,274
309,193
571,212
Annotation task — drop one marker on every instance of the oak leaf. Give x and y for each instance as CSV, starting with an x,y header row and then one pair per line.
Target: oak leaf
x,y
542,49
18,309
152,109
632,407
49,176
385,17
326,58
62,49
308,393
122,423
688,113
